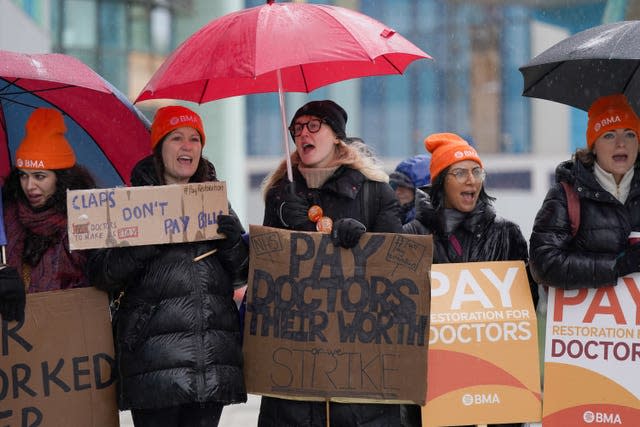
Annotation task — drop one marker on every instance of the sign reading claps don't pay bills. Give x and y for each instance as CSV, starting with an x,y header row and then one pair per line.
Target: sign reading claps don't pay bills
x,y
132,216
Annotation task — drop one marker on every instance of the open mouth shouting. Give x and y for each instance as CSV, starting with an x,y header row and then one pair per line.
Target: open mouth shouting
x,y
307,148
185,160
181,153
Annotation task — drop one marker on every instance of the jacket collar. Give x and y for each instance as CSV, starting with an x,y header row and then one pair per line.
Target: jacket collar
x,y
583,178
345,182
607,181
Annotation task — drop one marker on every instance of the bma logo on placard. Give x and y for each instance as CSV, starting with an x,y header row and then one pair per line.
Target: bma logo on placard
x,y
590,417
480,399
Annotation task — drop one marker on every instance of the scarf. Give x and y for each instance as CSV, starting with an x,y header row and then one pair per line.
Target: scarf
x,y
451,220
608,182
316,177
38,247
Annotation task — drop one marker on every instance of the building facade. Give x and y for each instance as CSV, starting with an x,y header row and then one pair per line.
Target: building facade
x,y
471,87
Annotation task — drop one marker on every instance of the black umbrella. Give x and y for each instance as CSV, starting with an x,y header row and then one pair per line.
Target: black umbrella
x,y
602,60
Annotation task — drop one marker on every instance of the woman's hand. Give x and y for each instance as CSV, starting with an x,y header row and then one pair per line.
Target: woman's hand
x,y
293,210
628,261
230,226
346,232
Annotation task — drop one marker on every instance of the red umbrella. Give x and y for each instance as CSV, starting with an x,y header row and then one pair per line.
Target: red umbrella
x,y
279,47
107,132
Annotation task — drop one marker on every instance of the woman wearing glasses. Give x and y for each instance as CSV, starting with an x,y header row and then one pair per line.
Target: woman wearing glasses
x,y
339,190
460,214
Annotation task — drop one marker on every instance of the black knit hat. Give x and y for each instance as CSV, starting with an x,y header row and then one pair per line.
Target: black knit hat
x,y
333,114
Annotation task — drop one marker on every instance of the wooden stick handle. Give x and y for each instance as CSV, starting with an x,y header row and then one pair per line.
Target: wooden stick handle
x,y
204,255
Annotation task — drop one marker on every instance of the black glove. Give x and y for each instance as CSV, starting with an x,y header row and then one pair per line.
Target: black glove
x,y
293,210
230,226
12,295
346,232
628,261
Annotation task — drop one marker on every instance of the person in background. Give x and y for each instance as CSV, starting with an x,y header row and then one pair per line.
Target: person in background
x,y
406,180
603,176
460,215
176,329
35,215
350,193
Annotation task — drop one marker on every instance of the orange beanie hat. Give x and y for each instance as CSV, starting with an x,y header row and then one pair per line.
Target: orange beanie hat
x,y
447,149
609,113
171,118
44,145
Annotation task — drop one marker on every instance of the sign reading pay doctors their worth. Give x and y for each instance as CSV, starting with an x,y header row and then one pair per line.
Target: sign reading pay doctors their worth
x,y
57,368
483,346
592,356
132,216
328,323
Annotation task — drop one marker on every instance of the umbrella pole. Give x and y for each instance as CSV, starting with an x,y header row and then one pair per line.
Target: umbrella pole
x,y
283,116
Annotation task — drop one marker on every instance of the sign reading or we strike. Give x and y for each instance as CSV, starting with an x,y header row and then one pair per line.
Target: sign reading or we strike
x,y
483,364
328,323
592,356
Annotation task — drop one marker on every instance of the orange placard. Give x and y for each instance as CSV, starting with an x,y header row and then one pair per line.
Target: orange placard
x,y
483,364
592,354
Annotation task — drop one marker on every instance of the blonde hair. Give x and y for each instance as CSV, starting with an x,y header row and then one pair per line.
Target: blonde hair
x,y
355,155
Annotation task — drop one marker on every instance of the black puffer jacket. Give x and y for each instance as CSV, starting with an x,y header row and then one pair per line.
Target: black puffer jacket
x,y
587,260
177,329
342,196
482,235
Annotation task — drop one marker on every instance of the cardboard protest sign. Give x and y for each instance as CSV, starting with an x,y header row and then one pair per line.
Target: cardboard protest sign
x,y
327,323
592,356
483,346
131,216
57,367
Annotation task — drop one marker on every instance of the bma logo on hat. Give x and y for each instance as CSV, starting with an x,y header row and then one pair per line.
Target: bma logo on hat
x,y
28,163
184,119
465,153
607,121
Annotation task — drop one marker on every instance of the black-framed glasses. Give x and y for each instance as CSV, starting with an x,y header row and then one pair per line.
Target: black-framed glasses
x,y
312,125
461,175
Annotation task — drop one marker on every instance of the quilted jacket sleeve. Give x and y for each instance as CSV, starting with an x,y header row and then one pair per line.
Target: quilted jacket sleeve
x,y
556,257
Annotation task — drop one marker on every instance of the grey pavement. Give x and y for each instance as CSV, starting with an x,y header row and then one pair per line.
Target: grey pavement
x,y
242,415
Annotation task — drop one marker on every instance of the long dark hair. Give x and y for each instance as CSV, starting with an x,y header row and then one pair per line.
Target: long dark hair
x,y
76,177
204,172
585,156
436,191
